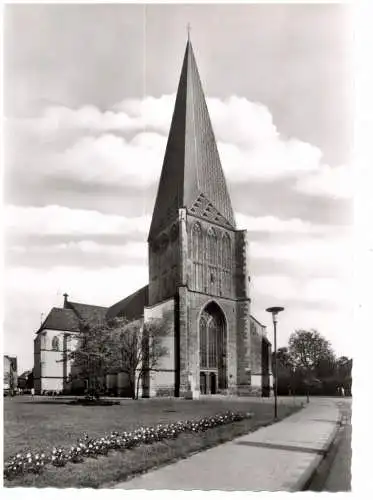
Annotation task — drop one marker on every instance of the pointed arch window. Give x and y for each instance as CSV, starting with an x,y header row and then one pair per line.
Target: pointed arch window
x,y
227,264
197,250
213,343
212,251
56,344
212,258
197,256
203,342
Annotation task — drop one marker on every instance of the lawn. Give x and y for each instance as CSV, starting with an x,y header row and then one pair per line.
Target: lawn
x,y
43,423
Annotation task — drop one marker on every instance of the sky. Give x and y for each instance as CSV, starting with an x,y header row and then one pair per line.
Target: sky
x,y
88,99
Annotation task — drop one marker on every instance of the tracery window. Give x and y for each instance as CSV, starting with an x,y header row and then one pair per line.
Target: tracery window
x,y
213,343
197,256
203,342
212,257
226,264
213,340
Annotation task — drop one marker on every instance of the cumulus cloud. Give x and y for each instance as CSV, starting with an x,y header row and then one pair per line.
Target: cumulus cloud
x,y
333,182
319,291
130,115
54,220
273,224
132,251
99,151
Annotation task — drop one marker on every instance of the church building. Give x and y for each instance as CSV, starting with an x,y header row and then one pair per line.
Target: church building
x,y
198,274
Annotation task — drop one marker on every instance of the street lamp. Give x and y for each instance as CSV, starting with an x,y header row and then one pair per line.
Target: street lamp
x,y
274,311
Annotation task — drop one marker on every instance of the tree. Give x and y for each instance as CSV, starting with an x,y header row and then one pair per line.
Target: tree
x,y
284,370
311,354
138,349
91,357
131,347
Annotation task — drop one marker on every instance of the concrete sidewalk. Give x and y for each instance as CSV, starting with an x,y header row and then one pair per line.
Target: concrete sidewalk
x,y
280,457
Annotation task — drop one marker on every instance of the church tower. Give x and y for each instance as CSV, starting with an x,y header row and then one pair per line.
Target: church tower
x,y
198,260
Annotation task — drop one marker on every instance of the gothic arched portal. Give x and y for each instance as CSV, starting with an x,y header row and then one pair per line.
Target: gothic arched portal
x,y
212,350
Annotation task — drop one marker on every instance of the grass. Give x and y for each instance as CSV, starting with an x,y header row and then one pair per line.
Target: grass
x,y
44,423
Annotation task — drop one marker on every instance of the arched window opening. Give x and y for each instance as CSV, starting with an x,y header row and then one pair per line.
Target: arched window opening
x,y
213,349
213,343
212,256
197,252
197,257
227,264
212,247
203,342
55,344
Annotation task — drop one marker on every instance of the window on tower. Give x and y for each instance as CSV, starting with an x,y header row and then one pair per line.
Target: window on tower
x,y
197,256
226,264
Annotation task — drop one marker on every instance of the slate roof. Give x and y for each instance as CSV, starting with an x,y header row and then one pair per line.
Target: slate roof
x,y
61,319
131,307
191,165
87,312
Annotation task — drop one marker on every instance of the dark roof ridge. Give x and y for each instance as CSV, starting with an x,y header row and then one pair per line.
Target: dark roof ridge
x,y
85,305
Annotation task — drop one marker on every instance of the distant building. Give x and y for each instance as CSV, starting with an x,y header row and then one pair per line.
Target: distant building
x,y
10,373
198,272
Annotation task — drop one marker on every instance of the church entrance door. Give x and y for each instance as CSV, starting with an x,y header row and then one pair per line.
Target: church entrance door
x,y
213,350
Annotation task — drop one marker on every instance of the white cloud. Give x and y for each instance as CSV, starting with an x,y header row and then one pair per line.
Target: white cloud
x,y
238,121
325,291
311,254
249,143
130,115
334,182
112,160
133,250
272,224
54,219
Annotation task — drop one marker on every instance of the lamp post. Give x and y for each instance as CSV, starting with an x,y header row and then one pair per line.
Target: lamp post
x,y
274,311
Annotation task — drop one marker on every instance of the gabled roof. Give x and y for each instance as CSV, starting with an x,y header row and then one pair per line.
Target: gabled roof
x,y
87,312
191,165
131,307
60,319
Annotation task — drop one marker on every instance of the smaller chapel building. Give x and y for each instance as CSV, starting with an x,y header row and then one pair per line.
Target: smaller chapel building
x,y
199,275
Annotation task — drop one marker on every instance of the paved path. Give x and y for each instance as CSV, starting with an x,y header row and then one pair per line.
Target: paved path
x,y
335,473
280,457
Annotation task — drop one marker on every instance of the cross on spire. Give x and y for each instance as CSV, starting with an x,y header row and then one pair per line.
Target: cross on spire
x,y
188,31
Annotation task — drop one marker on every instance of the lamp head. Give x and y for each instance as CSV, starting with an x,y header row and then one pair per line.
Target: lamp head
x,y
274,311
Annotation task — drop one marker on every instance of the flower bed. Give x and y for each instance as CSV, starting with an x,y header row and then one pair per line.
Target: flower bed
x,y
35,462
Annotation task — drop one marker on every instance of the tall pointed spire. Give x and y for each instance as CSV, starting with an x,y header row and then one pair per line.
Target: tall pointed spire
x,y
192,176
